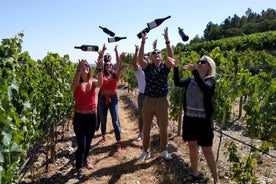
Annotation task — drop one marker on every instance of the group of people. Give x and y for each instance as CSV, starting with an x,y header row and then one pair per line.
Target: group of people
x,y
152,77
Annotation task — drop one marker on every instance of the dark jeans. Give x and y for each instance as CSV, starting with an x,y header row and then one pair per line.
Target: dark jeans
x,y
84,128
113,108
140,100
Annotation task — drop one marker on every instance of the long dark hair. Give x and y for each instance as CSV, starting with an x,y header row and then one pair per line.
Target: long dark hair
x,y
90,76
105,71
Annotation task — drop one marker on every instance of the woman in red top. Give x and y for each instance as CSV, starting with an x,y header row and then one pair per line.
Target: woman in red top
x,y
108,97
84,122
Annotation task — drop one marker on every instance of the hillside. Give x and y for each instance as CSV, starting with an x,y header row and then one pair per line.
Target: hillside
x,y
123,167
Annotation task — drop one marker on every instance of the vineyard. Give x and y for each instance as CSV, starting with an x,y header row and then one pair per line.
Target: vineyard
x,y
36,97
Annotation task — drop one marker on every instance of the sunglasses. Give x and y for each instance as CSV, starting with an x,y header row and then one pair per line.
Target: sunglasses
x,y
155,52
203,62
107,65
86,65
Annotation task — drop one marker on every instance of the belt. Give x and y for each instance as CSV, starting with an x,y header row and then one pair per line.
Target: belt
x,y
85,112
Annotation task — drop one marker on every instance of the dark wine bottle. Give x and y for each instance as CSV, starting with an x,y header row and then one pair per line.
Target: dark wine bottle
x,y
107,31
157,22
183,36
146,30
115,39
87,47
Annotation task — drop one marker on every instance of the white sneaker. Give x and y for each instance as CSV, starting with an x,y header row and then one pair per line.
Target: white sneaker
x,y
144,156
166,155
139,138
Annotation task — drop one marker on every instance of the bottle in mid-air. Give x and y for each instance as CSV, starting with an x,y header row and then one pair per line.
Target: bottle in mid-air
x,y
115,39
157,22
107,31
87,47
183,36
146,30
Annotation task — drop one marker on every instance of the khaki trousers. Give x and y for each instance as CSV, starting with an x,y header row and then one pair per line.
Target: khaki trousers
x,y
159,108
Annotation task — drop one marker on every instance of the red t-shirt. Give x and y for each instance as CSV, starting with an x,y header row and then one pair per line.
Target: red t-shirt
x,y
109,84
85,101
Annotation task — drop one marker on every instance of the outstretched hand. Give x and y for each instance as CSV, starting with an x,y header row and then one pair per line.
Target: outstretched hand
x,y
189,67
154,44
136,48
99,63
172,62
165,34
115,48
81,64
122,55
101,52
144,37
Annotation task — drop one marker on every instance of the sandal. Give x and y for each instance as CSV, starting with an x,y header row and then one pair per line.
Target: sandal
x,y
192,178
118,146
80,174
88,165
102,141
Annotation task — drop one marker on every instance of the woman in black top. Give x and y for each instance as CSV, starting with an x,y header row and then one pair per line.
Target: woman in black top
x,y
198,111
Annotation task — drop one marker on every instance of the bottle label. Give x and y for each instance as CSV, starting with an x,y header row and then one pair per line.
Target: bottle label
x,y
152,25
111,40
90,49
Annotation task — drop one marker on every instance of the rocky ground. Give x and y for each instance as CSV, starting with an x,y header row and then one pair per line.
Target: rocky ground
x,y
123,168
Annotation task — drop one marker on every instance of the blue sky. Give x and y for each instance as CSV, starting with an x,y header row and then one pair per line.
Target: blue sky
x,y
59,25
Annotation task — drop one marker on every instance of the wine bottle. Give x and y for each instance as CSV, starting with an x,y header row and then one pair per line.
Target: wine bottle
x,y
115,39
146,30
87,47
157,22
107,31
183,36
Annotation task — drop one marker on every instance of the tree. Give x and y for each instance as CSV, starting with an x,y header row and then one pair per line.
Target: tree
x,y
196,39
235,22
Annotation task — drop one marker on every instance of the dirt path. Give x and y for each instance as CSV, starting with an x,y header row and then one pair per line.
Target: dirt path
x,y
108,165
123,168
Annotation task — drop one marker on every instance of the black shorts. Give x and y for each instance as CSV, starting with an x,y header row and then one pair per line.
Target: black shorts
x,y
198,129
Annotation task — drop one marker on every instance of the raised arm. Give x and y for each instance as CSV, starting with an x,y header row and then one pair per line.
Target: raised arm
x,y
134,59
176,79
142,61
99,68
167,42
101,52
76,79
116,55
154,44
121,57
119,61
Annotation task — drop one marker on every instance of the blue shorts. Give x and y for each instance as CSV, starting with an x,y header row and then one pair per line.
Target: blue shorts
x,y
198,129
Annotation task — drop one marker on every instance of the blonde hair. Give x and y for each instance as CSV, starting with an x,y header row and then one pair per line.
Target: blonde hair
x,y
212,64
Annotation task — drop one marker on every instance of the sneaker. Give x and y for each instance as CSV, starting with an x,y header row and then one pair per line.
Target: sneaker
x,y
166,155
139,138
118,146
144,156
102,141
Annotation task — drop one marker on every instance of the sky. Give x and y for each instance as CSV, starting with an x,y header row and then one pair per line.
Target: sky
x,y
58,25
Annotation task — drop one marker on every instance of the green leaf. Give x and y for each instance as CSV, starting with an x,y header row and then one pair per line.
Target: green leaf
x,y
16,148
7,137
1,158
